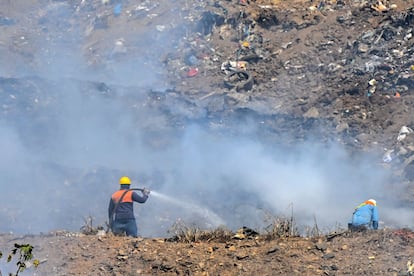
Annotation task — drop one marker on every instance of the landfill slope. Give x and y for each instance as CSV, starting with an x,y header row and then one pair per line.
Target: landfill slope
x,y
332,70
338,71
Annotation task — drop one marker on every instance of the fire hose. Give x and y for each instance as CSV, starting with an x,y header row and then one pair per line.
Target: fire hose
x,y
111,217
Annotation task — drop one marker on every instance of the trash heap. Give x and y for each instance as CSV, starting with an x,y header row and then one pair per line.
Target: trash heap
x,y
336,70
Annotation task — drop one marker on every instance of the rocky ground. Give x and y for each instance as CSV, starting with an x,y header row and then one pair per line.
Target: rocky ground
x,y
296,70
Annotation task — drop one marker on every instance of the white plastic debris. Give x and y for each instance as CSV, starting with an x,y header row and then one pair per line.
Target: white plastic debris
x,y
119,47
160,28
404,131
230,66
387,158
372,82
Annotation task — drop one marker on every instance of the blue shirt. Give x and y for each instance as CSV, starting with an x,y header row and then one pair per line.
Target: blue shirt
x,y
365,215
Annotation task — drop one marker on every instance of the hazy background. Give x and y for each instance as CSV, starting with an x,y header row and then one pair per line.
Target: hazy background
x,y
65,145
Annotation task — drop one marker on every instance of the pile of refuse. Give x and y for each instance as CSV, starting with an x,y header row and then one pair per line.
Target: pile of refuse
x,y
338,70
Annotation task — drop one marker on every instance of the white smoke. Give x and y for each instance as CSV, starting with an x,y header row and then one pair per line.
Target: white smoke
x,y
62,165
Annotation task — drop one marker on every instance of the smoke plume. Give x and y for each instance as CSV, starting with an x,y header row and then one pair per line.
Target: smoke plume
x,y
70,128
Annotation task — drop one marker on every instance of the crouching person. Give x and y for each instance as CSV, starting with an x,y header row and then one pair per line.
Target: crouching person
x,y
365,216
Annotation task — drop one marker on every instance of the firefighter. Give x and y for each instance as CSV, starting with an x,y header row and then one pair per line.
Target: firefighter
x,y
121,210
365,216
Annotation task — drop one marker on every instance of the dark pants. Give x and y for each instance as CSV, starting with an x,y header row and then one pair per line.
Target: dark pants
x,y
122,226
357,228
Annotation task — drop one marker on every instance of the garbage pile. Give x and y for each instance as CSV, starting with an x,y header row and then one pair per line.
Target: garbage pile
x,y
339,70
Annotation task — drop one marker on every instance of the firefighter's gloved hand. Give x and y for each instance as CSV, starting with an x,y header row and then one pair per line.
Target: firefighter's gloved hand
x,y
375,225
146,191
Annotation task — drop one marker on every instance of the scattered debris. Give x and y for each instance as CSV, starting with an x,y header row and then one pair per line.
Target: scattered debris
x,y
404,131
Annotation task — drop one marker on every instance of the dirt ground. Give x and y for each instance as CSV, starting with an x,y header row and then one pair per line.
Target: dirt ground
x,y
383,252
345,67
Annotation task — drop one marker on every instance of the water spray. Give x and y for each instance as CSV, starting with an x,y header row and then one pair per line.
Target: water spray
x,y
214,219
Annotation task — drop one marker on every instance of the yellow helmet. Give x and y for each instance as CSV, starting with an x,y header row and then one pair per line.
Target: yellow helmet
x,y
125,180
